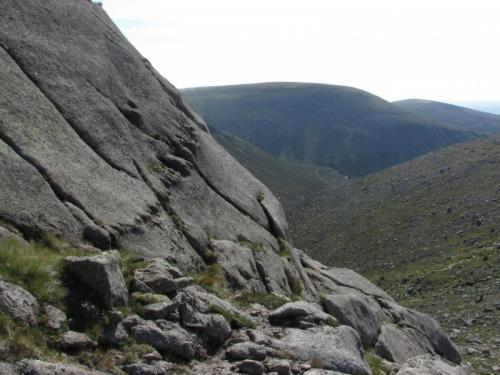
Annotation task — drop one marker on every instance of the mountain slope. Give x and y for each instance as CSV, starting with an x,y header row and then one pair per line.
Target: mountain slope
x,y
455,116
284,178
101,159
344,128
427,230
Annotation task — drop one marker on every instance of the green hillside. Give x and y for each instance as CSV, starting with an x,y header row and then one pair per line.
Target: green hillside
x,y
284,178
428,231
344,128
454,116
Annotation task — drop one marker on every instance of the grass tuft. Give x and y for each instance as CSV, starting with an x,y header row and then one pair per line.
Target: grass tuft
x,y
236,320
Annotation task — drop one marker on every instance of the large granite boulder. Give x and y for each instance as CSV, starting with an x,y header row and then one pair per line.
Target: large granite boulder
x,y
102,274
18,303
338,349
358,311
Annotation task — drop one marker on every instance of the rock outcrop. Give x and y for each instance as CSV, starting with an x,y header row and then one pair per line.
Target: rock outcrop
x,y
97,147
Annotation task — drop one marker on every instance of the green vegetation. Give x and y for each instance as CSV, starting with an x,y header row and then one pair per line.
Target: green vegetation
x,y
35,267
376,364
236,320
283,177
148,298
269,300
346,129
256,247
425,231
130,263
19,341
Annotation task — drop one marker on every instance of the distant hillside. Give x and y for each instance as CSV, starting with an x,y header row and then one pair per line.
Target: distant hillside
x,y
284,178
344,128
454,116
428,231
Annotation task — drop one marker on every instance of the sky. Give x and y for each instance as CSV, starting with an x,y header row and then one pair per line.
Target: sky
x,y
444,50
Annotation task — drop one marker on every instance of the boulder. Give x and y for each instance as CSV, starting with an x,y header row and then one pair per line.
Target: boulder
x,y
171,339
251,367
247,350
158,368
72,342
113,336
161,310
428,327
238,264
160,277
300,314
102,274
338,349
329,280
212,328
430,365
279,366
36,367
359,312
55,318
18,303
399,344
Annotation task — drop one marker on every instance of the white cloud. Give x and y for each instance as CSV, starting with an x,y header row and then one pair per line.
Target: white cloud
x,y
444,50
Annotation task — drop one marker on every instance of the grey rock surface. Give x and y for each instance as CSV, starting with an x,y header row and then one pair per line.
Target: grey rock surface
x,y
71,342
173,339
36,367
429,365
399,344
298,313
161,277
247,350
102,274
428,326
79,92
359,312
18,303
55,318
336,349
251,367
158,368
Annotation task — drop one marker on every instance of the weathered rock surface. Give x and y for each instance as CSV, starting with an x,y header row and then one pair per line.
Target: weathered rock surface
x,y
336,349
18,303
102,274
251,367
429,365
159,277
299,314
36,367
399,344
72,342
55,318
158,368
247,350
173,339
429,327
358,311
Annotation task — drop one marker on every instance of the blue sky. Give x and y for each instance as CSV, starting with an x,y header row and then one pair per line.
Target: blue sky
x,y
442,50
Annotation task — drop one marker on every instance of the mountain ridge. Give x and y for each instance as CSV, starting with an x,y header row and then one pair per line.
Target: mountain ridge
x,y
453,115
344,128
